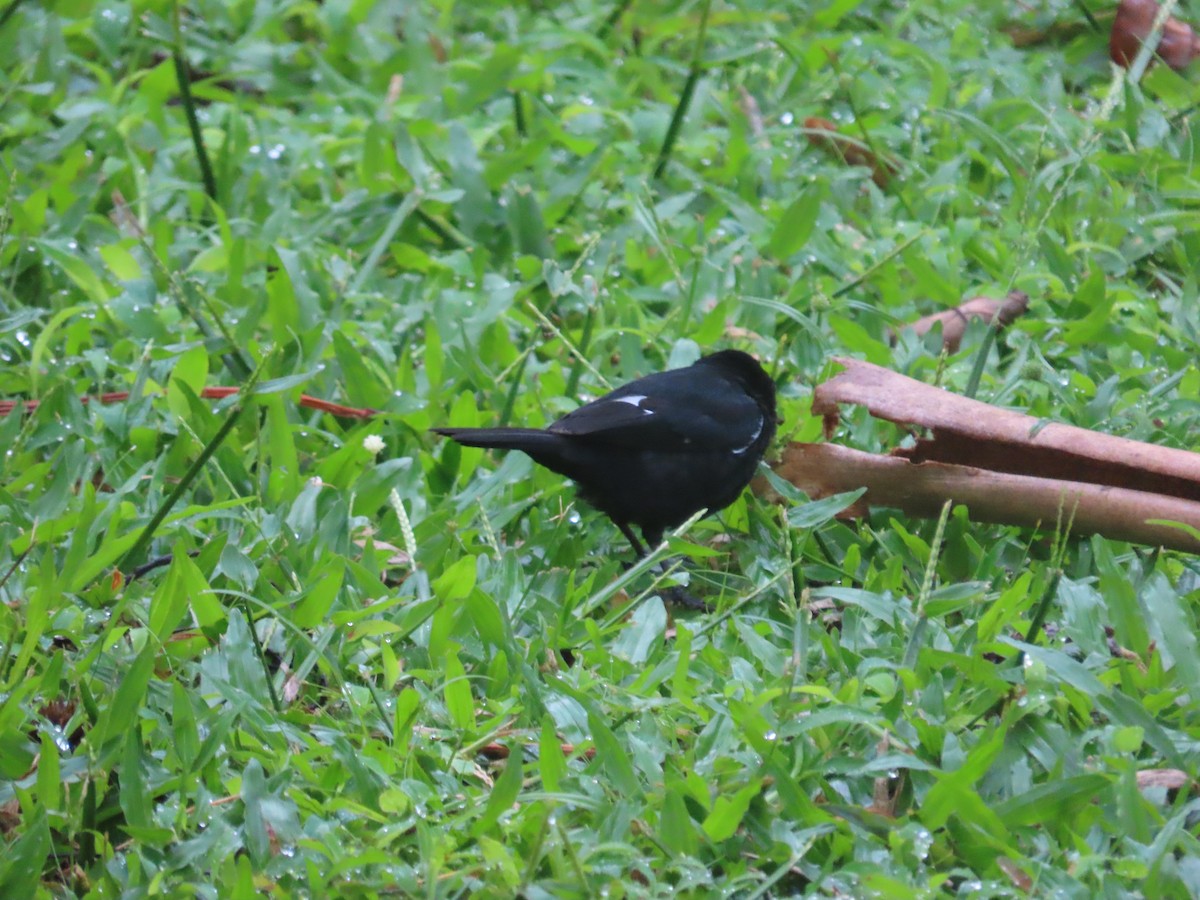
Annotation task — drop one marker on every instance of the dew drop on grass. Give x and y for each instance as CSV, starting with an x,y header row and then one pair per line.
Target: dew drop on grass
x,y
922,842
23,338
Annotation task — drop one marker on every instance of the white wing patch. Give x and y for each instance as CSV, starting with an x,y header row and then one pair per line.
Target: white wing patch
x,y
635,400
738,451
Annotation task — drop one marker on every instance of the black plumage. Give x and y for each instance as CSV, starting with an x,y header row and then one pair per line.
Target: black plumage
x,y
659,449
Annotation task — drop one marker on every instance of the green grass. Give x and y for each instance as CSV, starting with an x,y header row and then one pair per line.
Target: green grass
x,y
408,672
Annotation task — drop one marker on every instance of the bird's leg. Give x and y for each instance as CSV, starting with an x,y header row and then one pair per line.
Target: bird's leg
x,y
638,549
676,594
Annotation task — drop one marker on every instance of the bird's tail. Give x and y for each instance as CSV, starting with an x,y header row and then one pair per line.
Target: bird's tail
x,y
527,439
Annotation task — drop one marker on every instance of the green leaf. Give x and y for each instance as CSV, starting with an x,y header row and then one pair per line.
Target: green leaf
x,y
612,758
457,581
1178,628
460,703
135,800
551,765
503,795
121,714
319,598
174,594
1056,801
728,811
794,227
24,859
41,345
816,513
191,370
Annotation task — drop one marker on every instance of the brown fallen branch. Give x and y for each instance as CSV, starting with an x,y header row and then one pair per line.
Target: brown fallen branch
x,y
921,490
209,393
955,321
824,134
969,432
1170,779
1005,466
1132,26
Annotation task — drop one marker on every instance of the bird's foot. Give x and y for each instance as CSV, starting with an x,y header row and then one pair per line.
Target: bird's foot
x,y
681,596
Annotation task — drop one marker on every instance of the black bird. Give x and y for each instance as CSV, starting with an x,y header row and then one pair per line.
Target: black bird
x,y
657,450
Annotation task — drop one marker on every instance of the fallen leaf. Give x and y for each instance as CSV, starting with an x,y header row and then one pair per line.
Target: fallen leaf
x,y
1178,46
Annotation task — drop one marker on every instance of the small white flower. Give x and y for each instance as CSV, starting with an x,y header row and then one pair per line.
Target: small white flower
x,y
316,482
373,443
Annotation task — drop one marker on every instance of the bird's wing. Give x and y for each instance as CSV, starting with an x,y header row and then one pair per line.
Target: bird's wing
x,y
681,410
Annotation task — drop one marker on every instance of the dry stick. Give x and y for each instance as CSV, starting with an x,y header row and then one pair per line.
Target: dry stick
x,y
685,99
218,392
1030,501
977,434
184,77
